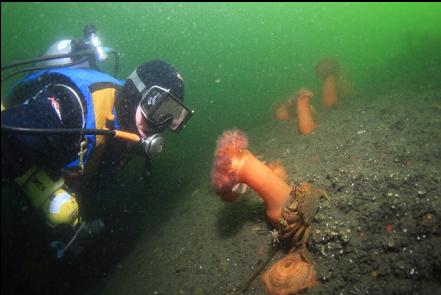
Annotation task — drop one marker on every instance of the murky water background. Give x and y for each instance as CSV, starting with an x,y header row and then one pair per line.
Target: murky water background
x,y
236,60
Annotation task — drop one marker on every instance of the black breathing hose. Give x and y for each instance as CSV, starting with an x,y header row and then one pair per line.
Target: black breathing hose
x,y
36,68
48,57
39,131
88,53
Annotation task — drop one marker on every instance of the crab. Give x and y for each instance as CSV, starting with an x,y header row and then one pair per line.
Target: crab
x,y
298,214
274,237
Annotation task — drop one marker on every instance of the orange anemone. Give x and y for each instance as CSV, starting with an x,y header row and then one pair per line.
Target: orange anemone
x,y
234,164
282,111
328,70
289,275
278,169
305,120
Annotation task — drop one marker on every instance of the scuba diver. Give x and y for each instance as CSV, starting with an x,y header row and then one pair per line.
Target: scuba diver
x,y
68,121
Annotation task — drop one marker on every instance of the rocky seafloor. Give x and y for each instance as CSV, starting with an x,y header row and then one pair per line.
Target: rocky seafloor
x,y
379,160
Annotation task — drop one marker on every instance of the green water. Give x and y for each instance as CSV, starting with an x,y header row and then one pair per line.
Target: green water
x,y
237,59
257,52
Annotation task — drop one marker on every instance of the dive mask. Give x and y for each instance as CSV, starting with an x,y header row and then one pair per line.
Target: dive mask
x,y
160,107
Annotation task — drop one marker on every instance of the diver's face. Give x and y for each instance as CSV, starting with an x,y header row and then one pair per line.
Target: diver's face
x,y
145,129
